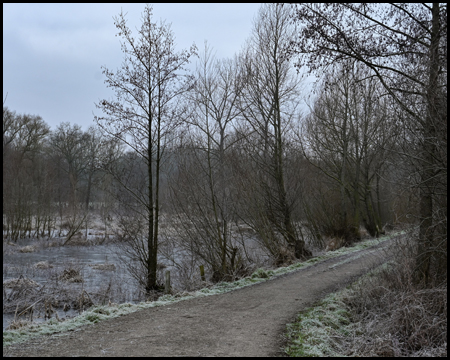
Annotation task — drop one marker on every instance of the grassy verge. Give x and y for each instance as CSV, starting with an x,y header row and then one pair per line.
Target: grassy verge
x,y
322,329
99,313
318,330
382,314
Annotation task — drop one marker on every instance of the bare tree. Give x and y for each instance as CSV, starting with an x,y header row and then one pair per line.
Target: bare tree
x,y
94,144
348,136
71,142
270,99
143,115
203,192
405,46
23,138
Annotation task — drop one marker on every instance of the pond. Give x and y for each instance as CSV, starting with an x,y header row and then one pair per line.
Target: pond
x,y
118,284
115,280
82,258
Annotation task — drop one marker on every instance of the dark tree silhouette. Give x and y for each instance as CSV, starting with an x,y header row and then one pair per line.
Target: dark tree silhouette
x,y
405,46
143,114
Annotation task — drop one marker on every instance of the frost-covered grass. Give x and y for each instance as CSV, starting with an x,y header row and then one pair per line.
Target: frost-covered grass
x,y
384,313
98,313
322,329
316,331
338,252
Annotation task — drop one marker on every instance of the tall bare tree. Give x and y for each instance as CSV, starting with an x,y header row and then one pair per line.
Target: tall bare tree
x,y
405,46
203,193
142,115
349,135
270,100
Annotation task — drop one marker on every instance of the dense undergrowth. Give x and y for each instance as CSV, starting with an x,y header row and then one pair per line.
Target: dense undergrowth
x,y
382,314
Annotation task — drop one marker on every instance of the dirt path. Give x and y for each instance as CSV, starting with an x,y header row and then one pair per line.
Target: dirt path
x,y
245,322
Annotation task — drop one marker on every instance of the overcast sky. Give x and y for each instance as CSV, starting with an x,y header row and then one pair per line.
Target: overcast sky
x,y
53,53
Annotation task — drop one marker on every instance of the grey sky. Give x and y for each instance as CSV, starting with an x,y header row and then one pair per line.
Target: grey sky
x,y
53,53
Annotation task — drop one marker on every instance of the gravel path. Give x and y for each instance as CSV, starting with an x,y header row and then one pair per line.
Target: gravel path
x,y
245,322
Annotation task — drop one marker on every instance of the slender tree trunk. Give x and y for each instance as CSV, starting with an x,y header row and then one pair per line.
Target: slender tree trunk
x,y
300,250
151,275
429,150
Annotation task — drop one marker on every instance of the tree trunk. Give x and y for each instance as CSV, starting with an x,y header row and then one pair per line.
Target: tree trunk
x,y
151,265
427,167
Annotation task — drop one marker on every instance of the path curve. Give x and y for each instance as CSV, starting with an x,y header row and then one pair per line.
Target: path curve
x,y
244,322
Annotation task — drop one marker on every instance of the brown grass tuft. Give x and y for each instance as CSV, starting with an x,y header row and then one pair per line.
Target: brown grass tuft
x,y
71,275
334,244
27,249
20,282
17,324
43,265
